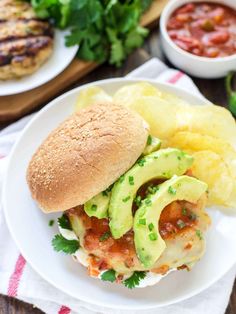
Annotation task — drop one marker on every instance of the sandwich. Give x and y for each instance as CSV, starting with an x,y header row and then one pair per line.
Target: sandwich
x,y
132,212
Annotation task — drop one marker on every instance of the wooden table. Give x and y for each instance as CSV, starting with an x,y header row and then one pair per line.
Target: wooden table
x,y
213,89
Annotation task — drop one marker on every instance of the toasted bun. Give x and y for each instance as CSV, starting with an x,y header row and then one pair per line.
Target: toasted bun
x,y
87,153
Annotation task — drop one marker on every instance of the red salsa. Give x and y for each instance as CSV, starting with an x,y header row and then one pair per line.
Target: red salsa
x,y
177,217
204,29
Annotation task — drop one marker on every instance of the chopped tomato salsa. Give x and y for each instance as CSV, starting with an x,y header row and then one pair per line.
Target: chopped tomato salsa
x,y
175,217
204,29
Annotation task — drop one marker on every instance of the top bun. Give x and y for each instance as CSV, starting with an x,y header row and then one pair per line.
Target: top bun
x,y
84,155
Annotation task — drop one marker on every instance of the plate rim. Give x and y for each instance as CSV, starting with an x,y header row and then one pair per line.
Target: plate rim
x,y
27,256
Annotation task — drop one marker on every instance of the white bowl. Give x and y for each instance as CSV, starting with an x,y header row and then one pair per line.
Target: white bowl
x,y
197,66
30,230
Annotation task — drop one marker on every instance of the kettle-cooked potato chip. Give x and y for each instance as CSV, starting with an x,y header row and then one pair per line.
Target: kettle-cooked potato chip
x,y
154,111
128,94
90,96
194,142
210,168
207,120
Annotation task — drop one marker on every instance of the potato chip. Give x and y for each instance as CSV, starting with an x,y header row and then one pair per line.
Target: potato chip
x,y
194,142
128,94
90,96
207,120
210,168
154,111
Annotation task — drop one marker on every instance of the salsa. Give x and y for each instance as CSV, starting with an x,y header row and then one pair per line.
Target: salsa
x,y
175,218
204,29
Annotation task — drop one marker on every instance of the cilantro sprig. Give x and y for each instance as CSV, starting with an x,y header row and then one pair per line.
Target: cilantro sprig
x,y
131,282
134,280
60,244
103,29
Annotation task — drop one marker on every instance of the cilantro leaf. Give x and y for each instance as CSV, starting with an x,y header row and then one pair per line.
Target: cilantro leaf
x,y
103,29
145,4
64,222
134,280
117,53
60,244
109,275
135,38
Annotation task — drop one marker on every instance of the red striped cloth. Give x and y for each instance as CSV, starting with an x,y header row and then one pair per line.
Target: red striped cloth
x,y
15,277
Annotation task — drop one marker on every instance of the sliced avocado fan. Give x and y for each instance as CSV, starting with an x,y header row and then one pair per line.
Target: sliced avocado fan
x,y
148,243
162,164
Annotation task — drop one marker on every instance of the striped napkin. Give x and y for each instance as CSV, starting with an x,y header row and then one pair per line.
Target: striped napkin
x,y
19,280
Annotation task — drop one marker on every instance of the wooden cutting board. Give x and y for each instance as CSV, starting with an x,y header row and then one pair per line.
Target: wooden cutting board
x,y
15,106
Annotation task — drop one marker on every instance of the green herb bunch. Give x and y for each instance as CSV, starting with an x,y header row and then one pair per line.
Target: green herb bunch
x,y
103,29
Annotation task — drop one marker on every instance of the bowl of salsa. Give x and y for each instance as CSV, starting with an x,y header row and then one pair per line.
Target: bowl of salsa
x,y
199,37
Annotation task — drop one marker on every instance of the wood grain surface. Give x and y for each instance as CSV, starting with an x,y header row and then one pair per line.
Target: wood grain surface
x,y
15,106
212,89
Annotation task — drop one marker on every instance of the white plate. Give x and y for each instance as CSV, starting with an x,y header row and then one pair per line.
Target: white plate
x,y
58,61
30,230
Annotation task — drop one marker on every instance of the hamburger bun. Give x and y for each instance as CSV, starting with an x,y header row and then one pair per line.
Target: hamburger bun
x,y
86,154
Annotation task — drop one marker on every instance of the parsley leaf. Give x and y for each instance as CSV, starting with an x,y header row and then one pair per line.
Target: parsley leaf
x,y
60,244
134,280
109,275
64,222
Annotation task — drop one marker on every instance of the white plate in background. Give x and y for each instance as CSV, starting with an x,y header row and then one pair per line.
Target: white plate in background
x,y
30,230
61,57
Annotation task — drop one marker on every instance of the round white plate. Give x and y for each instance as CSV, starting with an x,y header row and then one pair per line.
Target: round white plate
x,y
58,61
30,230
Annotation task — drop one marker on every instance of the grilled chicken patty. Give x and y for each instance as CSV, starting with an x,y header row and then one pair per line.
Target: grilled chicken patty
x,y
26,42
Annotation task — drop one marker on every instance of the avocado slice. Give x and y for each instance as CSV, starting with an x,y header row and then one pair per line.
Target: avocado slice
x,y
162,164
98,205
148,243
153,144
77,226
